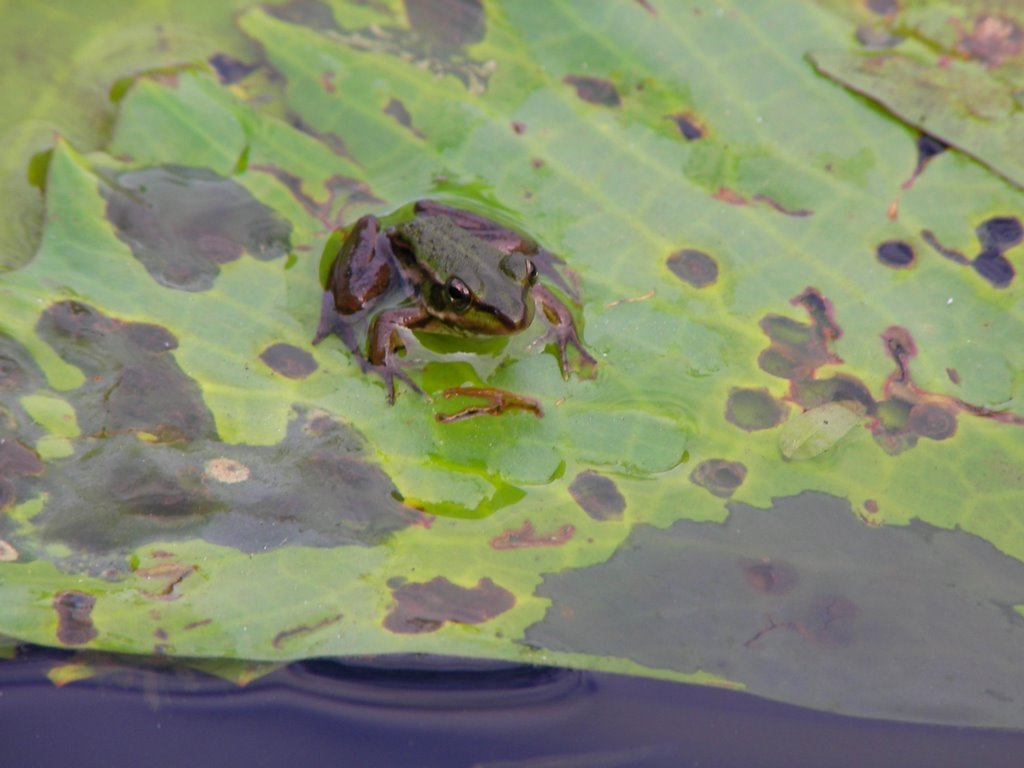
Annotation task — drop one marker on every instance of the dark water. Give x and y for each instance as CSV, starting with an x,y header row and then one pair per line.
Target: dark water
x,y
412,712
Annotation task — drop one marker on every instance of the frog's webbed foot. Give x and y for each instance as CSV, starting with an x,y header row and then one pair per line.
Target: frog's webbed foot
x,y
563,332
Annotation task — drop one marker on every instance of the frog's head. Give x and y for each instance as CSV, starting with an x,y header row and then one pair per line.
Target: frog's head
x,y
467,285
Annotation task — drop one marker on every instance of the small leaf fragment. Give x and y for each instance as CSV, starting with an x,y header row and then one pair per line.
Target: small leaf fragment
x,y
816,430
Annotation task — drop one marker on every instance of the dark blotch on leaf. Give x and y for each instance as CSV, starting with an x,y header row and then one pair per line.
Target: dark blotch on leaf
x,y
994,267
289,361
895,253
753,409
74,617
811,393
719,476
131,385
314,14
999,233
16,459
397,110
315,488
694,267
594,89
932,421
688,127
882,7
447,25
425,607
806,603
598,496
229,69
181,223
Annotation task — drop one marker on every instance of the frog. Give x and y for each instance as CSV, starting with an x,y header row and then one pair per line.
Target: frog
x,y
442,270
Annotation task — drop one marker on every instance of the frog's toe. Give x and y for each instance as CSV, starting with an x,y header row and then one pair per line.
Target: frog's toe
x,y
388,374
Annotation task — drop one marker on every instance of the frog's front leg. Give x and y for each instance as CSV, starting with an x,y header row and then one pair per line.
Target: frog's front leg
x,y
385,342
563,331
362,271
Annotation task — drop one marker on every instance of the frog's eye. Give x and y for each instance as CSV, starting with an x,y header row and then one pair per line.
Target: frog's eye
x,y
459,295
531,272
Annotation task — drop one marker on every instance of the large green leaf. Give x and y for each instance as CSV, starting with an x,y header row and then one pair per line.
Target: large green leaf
x,y
185,474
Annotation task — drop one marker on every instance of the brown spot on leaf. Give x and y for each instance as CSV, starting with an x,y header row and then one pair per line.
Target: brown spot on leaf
x,y
999,233
647,7
288,360
594,90
992,40
694,267
769,577
16,459
598,496
719,476
314,14
281,638
688,126
171,573
726,195
994,267
447,25
518,128
74,617
425,607
753,409
527,536
196,624
995,235
229,69
895,253
397,110
932,421
771,202
927,147
182,223
953,375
